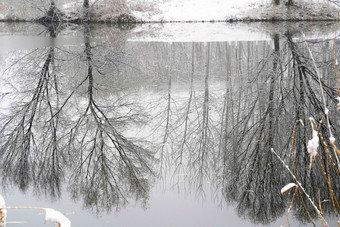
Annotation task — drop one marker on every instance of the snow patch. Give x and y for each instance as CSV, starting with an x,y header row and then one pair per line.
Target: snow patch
x,y
301,121
287,188
313,144
338,105
57,217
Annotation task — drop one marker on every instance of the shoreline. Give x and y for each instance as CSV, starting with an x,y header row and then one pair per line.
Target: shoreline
x,y
171,12
244,20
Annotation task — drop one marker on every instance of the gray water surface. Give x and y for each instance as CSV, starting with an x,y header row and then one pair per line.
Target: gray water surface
x,y
114,130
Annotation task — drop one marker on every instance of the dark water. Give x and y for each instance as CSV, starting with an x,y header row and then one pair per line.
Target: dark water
x,y
113,131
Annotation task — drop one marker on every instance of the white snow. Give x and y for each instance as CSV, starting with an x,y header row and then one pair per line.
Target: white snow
x,y
204,10
313,144
301,121
326,111
57,217
338,105
3,212
198,10
287,187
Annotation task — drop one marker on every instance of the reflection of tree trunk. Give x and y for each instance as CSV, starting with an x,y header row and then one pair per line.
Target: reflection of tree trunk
x,y
167,126
239,54
260,176
271,91
33,141
186,117
203,146
301,71
110,167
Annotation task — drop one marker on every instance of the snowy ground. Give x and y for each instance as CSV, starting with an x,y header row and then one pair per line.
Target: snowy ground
x,y
196,10
188,10
221,10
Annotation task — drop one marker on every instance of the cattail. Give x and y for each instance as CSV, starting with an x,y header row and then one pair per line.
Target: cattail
x,y
3,212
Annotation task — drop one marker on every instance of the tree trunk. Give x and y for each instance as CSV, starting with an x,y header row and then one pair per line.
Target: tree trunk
x,y
86,9
289,3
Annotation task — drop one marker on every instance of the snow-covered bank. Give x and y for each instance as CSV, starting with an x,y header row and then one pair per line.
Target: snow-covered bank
x,y
224,10
180,11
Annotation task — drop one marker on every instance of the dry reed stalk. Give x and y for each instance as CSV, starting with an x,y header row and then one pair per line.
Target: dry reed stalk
x,y
295,176
23,207
290,207
335,61
327,176
332,139
329,179
334,147
303,190
324,172
294,169
325,146
328,182
2,218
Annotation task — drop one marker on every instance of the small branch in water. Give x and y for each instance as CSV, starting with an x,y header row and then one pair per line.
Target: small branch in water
x,y
300,186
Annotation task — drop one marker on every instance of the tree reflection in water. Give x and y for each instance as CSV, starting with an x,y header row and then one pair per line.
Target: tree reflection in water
x,y
110,168
30,149
254,112
66,130
218,110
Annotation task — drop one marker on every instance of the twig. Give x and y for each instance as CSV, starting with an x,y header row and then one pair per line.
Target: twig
x,y
324,101
300,186
335,60
290,207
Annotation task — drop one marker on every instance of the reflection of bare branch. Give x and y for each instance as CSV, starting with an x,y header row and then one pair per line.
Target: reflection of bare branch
x,y
179,162
200,158
166,132
25,145
111,168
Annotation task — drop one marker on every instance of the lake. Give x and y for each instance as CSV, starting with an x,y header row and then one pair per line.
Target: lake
x,y
168,124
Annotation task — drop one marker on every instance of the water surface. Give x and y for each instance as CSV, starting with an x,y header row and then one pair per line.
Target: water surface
x,y
141,126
